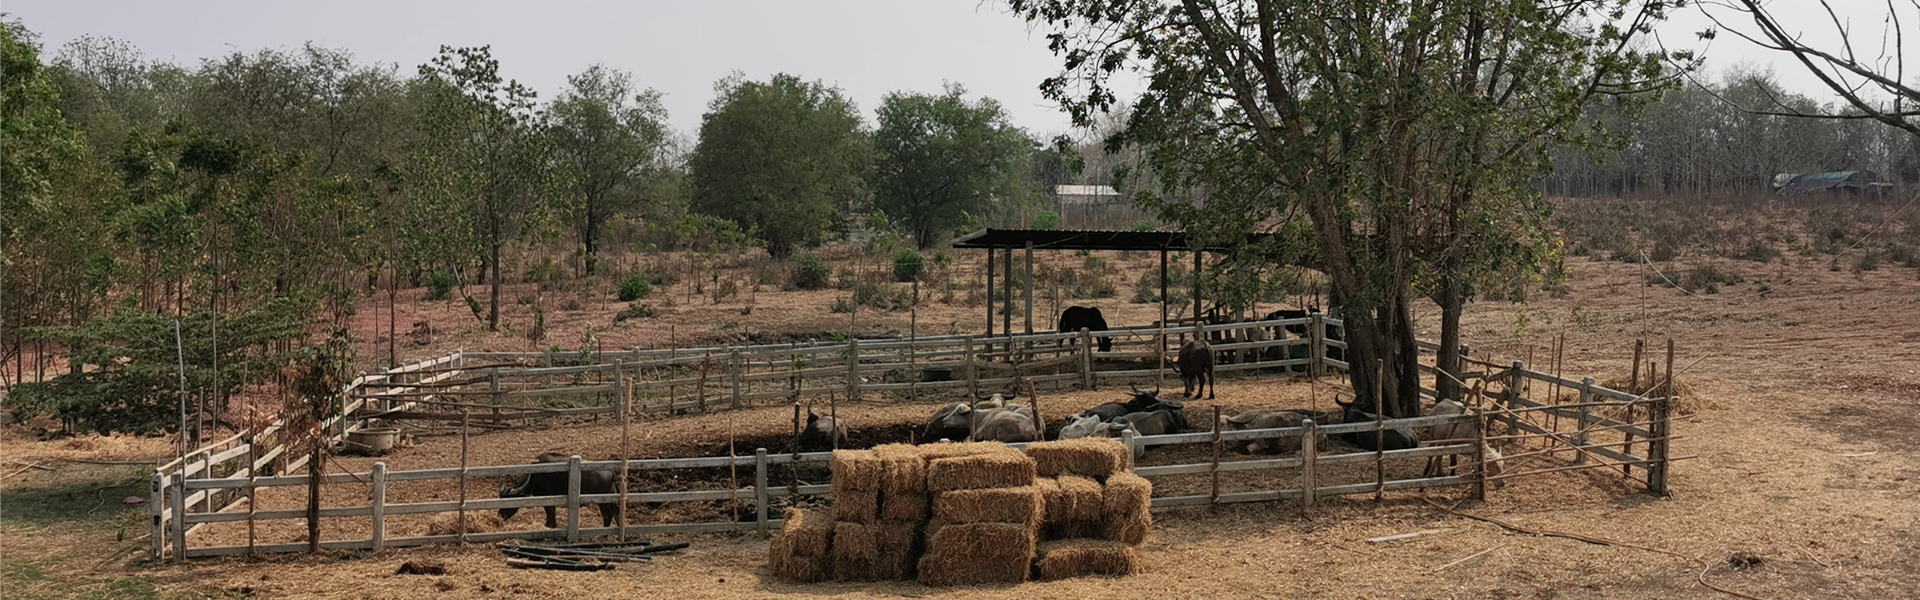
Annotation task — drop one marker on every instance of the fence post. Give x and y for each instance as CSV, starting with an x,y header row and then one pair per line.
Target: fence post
x,y
493,385
760,489
733,376
1662,424
549,364
1214,496
1586,411
973,377
379,506
1479,454
573,498
177,528
1126,439
853,369
1317,346
156,503
1086,359
1308,456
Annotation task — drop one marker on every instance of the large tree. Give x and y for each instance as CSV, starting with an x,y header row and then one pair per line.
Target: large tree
x,y
611,139
942,157
783,156
481,150
1339,114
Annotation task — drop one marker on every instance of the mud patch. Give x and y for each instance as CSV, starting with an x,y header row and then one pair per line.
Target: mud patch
x,y
1882,410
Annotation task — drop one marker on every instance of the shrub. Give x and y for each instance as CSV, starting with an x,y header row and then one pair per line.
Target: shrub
x,y
1663,252
439,285
1869,261
663,279
1046,221
1906,255
635,311
728,288
1143,226
908,265
809,273
1759,251
842,305
635,287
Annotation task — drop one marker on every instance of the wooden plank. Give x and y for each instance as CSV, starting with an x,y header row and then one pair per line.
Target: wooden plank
x,y
760,489
379,508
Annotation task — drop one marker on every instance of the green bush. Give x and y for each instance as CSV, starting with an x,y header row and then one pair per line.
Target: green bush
x,y
1046,221
1759,251
908,265
439,285
635,311
635,287
663,279
1143,226
809,273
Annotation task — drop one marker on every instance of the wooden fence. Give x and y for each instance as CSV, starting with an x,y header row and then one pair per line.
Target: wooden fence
x,y
229,474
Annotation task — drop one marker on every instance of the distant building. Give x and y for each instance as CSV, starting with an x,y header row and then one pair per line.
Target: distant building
x,y
1837,182
1066,196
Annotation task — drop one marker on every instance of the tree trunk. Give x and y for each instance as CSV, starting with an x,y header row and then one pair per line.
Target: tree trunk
x,y
1449,363
316,466
493,308
589,237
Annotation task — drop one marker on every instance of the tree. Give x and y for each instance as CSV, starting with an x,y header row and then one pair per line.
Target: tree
x,y
781,157
941,157
1841,68
1337,113
482,150
610,139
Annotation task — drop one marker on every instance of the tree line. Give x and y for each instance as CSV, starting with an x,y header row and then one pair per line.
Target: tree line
x,y
256,193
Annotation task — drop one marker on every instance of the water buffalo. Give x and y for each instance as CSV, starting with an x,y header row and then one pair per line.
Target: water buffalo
x,y
1392,439
823,433
1081,426
1075,318
1448,433
951,423
1196,368
1142,401
1266,419
555,484
1007,425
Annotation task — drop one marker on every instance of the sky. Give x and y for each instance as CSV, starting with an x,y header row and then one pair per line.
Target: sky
x,y
867,48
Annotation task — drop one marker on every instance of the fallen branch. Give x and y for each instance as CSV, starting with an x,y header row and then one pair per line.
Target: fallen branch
x,y
1403,536
1468,558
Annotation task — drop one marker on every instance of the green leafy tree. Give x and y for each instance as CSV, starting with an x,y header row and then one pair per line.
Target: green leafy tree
x,y
482,152
781,157
941,156
611,140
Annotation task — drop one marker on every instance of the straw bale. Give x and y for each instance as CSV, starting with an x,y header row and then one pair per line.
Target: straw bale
x,y
808,531
1081,557
978,553
856,551
1093,529
932,452
990,470
1129,528
899,548
903,469
478,521
903,507
856,470
797,567
1086,457
1072,499
1126,494
856,506
990,505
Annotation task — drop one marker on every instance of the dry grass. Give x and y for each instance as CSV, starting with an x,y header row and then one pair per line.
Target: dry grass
x,y
1081,558
478,521
988,470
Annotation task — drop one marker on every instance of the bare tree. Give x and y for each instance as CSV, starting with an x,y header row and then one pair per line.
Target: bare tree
x,y
1861,82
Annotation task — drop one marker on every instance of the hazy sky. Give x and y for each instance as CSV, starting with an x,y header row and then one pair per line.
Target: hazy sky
x,y
681,48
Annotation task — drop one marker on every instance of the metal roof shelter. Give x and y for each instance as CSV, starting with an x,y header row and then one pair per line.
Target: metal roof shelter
x,y
993,240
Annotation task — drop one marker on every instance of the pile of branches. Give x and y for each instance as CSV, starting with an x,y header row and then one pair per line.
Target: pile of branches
x,y
586,556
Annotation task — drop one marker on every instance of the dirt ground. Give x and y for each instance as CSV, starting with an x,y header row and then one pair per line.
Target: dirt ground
x,y
1806,383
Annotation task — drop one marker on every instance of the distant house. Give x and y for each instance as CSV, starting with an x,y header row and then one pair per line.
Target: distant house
x,y
1837,182
1066,196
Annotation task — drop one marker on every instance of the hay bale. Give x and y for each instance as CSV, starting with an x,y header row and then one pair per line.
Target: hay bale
x,y
856,470
1086,457
977,471
856,551
903,469
810,532
977,553
1127,493
899,548
856,506
990,505
931,452
478,521
1072,499
1130,529
1081,558
797,567
907,507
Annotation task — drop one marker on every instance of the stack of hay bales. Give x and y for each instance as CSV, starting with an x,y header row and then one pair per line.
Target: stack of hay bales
x,y
1096,509
989,514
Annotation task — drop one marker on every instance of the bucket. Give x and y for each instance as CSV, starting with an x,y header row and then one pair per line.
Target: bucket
x,y
932,374
374,439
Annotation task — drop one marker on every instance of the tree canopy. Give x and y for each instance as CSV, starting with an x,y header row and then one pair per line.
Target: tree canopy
x,y
783,157
942,157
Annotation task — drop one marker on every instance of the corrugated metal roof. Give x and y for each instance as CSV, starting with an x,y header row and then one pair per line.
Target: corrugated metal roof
x,y
1085,190
1085,240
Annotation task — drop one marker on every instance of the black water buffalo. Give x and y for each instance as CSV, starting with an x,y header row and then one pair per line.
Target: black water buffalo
x,y
1196,368
1141,402
1075,318
823,433
555,484
1392,439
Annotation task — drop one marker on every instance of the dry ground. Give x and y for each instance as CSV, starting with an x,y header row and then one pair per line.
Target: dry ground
x,y
1807,382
